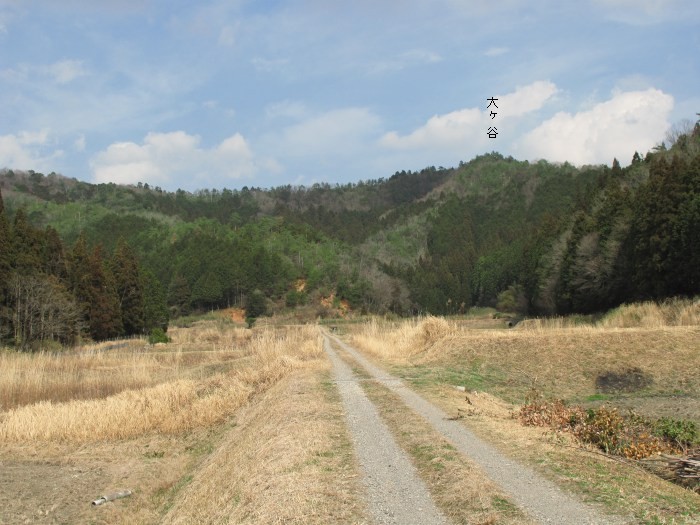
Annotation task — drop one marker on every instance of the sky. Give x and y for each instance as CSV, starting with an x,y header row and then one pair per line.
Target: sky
x,y
226,94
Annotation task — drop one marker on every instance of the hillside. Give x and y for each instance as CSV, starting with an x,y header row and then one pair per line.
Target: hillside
x,y
527,237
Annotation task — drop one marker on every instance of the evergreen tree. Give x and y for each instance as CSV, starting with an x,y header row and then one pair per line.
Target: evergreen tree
x,y
155,307
6,255
104,314
127,278
27,244
79,281
179,295
53,255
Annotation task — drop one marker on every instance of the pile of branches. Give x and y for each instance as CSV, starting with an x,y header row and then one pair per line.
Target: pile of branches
x,y
684,471
666,447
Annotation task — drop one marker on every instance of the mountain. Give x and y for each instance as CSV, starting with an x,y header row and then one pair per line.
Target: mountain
x,y
538,238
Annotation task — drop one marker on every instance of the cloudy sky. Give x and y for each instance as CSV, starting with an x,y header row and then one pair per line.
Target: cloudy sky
x,y
228,93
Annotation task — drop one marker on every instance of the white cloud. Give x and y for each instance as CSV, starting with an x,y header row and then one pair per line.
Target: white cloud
x,y
458,129
169,157
496,51
227,36
27,150
338,132
269,65
61,72
526,99
286,109
628,122
80,143
66,71
414,57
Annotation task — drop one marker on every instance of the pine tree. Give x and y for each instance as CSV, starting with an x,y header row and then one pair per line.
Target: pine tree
x,y
27,244
79,274
53,255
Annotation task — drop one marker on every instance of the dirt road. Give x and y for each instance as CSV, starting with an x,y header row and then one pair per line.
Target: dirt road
x,y
537,496
395,492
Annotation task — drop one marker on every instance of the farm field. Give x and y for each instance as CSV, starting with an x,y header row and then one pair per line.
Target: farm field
x,y
195,429
230,425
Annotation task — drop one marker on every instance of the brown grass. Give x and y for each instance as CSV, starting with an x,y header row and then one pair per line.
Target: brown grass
x,y
561,362
289,460
673,312
156,393
564,359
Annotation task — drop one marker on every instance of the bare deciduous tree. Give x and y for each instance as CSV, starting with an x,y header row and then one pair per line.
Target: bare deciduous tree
x,y
43,311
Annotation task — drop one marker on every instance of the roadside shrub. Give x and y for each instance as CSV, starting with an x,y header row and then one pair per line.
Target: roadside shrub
x,y
157,335
631,436
682,432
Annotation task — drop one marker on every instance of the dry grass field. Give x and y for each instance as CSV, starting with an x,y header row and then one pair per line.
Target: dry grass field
x,y
653,367
642,357
124,415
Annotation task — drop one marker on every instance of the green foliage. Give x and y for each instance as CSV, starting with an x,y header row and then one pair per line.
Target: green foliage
x,y
256,304
535,237
295,298
512,300
157,335
155,306
129,287
683,432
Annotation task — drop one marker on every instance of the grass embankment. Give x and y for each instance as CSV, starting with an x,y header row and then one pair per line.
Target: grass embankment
x,y
653,367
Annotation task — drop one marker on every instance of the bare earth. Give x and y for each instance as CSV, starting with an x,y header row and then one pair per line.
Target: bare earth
x,y
537,496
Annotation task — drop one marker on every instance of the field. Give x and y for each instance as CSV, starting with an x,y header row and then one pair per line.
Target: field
x,y
643,358
639,357
231,425
79,424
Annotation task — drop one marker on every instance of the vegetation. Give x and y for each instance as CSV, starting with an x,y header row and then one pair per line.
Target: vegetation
x,y
531,238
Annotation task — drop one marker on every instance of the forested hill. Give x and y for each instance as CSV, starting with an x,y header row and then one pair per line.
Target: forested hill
x,y
528,237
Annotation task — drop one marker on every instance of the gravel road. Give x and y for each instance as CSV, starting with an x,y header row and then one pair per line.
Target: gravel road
x,y
395,492
537,496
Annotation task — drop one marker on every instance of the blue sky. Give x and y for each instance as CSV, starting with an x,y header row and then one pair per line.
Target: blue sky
x,y
215,94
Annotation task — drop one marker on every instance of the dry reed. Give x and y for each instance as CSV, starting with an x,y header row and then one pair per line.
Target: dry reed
x,y
175,400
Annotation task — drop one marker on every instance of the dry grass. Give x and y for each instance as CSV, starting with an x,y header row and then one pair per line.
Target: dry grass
x,y
563,359
563,362
674,312
289,460
401,341
156,392
618,485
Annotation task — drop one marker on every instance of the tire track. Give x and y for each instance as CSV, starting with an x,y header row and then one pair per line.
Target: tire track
x,y
537,496
395,492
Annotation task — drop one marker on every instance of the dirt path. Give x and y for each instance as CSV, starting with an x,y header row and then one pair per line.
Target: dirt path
x,y
395,492
537,496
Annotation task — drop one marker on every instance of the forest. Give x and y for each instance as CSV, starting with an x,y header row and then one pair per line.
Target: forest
x,y
97,261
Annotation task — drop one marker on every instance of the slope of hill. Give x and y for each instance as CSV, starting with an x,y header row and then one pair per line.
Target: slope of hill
x,y
528,237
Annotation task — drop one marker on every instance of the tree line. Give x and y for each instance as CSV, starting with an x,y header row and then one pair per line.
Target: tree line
x,y
50,294
537,238
569,241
